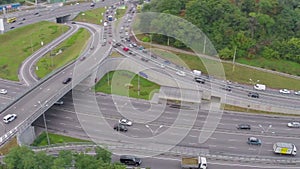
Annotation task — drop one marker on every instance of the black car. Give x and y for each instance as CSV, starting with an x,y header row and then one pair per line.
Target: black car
x,y
36,13
118,44
144,59
227,88
199,80
244,126
12,27
120,127
130,160
66,81
253,94
73,22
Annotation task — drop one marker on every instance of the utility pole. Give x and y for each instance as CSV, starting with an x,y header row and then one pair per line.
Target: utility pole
x,y
204,46
233,60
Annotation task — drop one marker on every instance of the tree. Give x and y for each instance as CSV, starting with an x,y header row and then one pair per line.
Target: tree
x,y
103,155
64,160
20,158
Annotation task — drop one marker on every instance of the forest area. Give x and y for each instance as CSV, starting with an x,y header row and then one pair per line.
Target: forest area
x,y
255,29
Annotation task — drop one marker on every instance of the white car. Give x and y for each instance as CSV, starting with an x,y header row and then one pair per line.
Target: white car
x,y
284,91
297,92
125,122
3,91
9,118
294,124
180,73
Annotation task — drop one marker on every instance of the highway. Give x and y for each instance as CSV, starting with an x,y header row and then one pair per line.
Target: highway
x,y
225,140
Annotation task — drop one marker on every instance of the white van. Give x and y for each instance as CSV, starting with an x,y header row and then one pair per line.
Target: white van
x,y
8,118
196,72
259,87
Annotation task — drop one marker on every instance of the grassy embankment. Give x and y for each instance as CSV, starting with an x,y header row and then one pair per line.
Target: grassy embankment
x,y
125,83
41,140
91,16
240,74
65,52
17,45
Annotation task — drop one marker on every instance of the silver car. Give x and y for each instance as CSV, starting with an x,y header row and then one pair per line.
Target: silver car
x,y
294,124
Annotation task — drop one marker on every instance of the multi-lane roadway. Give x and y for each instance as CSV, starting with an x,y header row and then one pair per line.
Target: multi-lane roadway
x,y
225,140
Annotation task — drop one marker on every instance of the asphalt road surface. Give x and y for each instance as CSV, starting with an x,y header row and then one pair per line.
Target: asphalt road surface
x,y
225,140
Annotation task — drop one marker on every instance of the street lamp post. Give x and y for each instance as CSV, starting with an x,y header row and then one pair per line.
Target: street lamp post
x,y
45,123
263,131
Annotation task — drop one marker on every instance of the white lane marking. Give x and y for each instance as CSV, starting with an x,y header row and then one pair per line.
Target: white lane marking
x,y
252,149
232,147
212,145
213,138
136,129
193,136
63,124
232,140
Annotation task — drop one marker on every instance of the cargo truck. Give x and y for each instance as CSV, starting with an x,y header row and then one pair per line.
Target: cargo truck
x,y
193,163
285,148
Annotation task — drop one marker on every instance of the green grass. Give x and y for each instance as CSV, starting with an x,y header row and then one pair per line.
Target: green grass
x,y
17,45
41,140
91,16
284,66
120,12
71,49
242,109
115,54
125,83
240,74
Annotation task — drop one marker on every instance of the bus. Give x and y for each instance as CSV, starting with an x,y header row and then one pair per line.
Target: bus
x,y
11,20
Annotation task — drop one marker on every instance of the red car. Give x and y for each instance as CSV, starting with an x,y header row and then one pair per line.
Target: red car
x,y
126,49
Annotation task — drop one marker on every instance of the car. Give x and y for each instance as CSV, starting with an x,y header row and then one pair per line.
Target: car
x,y
297,92
9,118
131,53
3,91
253,94
73,22
254,141
12,27
59,102
153,56
243,126
180,73
134,45
227,88
82,58
162,66
126,49
36,13
284,91
67,80
20,23
125,122
144,59
130,160
120,127
130,45
23,19
118,44
199,80
294,124
144,51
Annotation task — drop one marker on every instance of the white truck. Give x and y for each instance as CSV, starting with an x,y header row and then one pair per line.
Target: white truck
x,y
259,87
196,73
193,163
285,148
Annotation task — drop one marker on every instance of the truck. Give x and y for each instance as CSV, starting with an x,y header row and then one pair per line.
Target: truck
x,y
193,162
285,148
196,73
259,87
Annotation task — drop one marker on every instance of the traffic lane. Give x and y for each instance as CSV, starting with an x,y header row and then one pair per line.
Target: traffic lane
x,y
45,14
154,163
36,99
27,69
228,142
284,101
228,122
13,89
225,142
